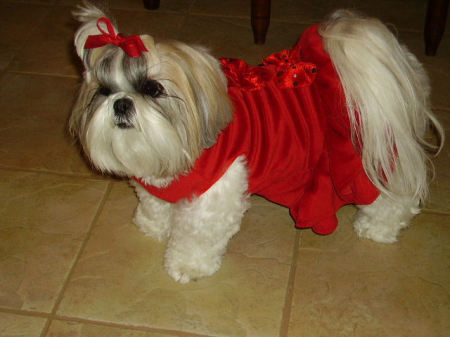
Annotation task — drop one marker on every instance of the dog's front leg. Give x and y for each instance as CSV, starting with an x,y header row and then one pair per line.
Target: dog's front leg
x,y
203,226
152,216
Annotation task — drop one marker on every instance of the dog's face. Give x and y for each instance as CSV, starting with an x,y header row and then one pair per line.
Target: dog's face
x,y
148,116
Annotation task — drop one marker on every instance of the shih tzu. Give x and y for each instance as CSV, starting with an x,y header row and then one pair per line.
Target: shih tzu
x,y
338,119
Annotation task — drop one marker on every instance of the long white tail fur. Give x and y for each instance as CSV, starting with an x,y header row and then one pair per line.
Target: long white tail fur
x,y
387,96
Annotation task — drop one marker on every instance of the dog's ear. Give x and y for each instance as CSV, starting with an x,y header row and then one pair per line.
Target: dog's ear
x,y
211,94
208,90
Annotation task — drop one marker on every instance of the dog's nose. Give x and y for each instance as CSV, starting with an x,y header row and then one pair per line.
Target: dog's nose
x,y
122,106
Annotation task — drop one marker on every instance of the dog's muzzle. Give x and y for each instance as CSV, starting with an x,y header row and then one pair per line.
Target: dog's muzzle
x,y
123,113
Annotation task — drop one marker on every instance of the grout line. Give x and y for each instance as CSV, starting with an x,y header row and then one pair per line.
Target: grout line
x,y
28,313
175,333
51,317
286,317
83,245
77,257
57,173
42,74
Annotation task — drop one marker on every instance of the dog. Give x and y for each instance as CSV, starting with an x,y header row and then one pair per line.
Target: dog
x,y
338,119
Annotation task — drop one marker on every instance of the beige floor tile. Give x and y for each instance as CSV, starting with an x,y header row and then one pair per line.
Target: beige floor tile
x,y
436,66
172,5
75,329
49,50
346,286
443,117
412,12
120,278
136,5
236,8
18,23
305,11
44,219
233,37
438,71
155,23
40,2
23,326
439,199
56,55
267,232
440,186
34,131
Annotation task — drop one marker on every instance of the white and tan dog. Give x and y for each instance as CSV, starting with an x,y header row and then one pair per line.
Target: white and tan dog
x,y
178,122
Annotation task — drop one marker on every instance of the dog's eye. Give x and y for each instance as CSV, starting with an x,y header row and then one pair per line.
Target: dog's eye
x,y
104,91
152,88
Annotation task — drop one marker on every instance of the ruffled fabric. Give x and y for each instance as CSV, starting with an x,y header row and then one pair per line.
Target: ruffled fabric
x,y
285,68
291,124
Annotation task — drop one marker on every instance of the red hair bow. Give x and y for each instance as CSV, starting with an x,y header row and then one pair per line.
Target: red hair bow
x,y
132,45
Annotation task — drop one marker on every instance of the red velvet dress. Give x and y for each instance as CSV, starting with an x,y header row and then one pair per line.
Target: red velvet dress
x,y
291,124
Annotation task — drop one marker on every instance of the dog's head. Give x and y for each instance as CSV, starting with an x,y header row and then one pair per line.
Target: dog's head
x,y
146,108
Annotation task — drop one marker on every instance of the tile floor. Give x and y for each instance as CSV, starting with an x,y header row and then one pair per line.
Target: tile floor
x,y
72,263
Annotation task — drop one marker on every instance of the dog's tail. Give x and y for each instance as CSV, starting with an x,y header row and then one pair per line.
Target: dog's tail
x,y
387,94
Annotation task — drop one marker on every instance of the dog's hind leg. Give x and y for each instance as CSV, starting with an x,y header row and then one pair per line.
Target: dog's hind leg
x,y
152,216
382,220
202,227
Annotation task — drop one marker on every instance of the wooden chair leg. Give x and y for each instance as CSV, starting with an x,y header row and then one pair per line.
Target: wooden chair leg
x,y
435,25
260,13
151,4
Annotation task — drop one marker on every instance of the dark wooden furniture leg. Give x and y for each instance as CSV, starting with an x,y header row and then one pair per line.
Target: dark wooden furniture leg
x,y
435,25
260,19
151,4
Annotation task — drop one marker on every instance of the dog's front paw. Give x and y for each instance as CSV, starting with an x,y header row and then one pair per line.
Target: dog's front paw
x,y
185,267
157,229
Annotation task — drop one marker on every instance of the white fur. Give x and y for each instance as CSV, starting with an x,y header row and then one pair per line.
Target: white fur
x,y
387,99
199,229
383,219
153,216
202,227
